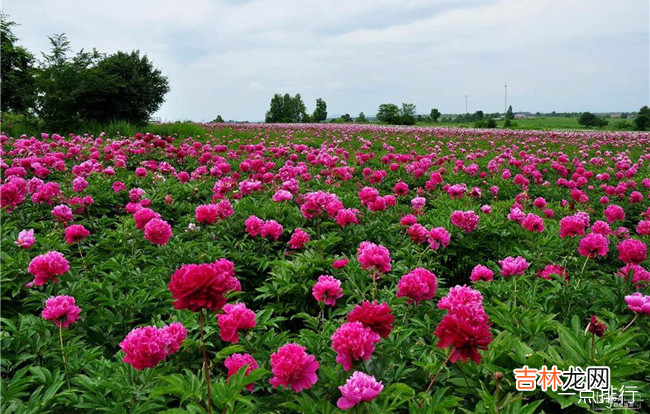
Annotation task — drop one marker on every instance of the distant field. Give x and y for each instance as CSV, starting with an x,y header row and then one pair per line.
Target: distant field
x,y
542,123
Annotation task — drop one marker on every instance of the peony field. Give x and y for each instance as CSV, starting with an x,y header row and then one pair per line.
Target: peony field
x,y
326,268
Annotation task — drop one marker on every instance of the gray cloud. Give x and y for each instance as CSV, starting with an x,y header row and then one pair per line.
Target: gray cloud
x,y
229,57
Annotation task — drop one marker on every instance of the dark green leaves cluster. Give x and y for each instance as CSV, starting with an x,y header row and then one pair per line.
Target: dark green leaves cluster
x,y
392,114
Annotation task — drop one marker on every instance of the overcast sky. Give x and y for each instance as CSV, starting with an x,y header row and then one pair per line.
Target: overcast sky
x,y
230,57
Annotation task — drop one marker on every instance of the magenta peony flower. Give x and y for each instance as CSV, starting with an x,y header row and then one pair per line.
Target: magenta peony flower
x,y
75,233
461,296
533,223
643,228
613,213
513,266
377,317
408,220
418,285
632,251
254,225
203,286
418,233
640,277
79,184
481,273
235,362
327,290
144,216
467,221
157,231
593,244
298,239
467,330
353,341
206,214
347,216
601,227
358,388
271,229
147,346
374,257
638,302
553,269
177,333
438,236
282,195
293,367
572,226
47,267
62,310
340,263
62,213
25,239
234,318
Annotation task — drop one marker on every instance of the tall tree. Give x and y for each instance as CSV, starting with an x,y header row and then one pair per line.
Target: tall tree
x,y
642,119
361,119
509,114
285,108
18,85
407,114
389,113
320,112
435,114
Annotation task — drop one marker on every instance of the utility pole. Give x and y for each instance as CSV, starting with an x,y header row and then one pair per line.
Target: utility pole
x,y
505,105
466,104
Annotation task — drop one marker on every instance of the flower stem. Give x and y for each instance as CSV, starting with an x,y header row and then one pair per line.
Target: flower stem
x,y
433,380
631,322
206,364
83,261
65,362
593,341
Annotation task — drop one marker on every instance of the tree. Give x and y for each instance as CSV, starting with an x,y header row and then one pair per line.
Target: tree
x,y
389,113
435,114
218,120
587,119
361,119
320,113
346,118
642,120
284,108
123,86
17,69
509,114
407,114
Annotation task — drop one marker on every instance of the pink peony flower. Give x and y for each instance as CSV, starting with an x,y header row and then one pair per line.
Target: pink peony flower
x,y
47,267
418,285
601,227
374,257
147,346
235,362
234,318
638,302
75,233
438,236
62,310
513,266
632,251
408,220
553,269
481,273
467,330
533,223
640,277
572,226
298,239
293,367
207,214
143,216
467,221
203,286
158,231
418,233
177,333
282,195
254,225
340,263
643,228
377,317
62,213
358,388
353,342
271,229
327,290
613,213
25,239
593,244
461,296
347,216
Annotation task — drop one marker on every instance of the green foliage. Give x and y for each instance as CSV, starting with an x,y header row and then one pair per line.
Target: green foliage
x,y
218,120
588,119
286,109
509,114
394,115
320,113
434,115
361,119
642,119
17,67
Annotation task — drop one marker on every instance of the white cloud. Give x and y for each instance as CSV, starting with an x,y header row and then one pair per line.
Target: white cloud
x,y
229,57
